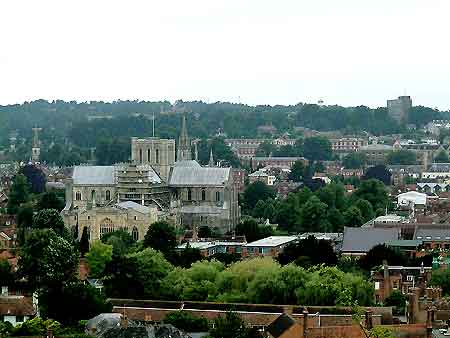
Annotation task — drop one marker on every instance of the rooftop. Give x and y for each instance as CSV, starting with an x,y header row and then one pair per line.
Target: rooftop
x,y
273,241
134,206
94,175
361,240
199,176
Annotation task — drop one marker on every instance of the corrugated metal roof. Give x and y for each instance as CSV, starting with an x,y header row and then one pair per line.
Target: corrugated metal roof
x,y
94,175
200,176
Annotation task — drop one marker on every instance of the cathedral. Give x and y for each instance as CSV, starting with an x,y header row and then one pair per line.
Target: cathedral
x,y
155,185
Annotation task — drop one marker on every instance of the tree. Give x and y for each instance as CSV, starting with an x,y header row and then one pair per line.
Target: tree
x,y
47,259
122,242
305,251
49,219
265,149
442,157
84,242
353,217
35,177
252,230
380,253
50,200
161,236
378,172
317,149
297,171
398,300
312,216
366,209
374,192
81,302
98,257
336,220
255,192
185,258
19,193
229,326
355,160
402,157
441,278
185,321
6,272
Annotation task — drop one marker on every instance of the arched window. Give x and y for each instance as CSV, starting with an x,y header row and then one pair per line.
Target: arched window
x,y
140,155
157,156
106,226
135,234
108,195
218,196
78,196
93,195
203,195
149,156
189,195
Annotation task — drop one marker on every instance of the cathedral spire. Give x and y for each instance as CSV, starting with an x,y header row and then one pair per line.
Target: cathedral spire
x,y
184,144
211,158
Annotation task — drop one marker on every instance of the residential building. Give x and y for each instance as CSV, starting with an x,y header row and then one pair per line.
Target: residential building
x,y
398,278
283,162
398,109
376,153
210,248
269,246
15,309
262,176
285,326
239,176
433,236
411,197
347,144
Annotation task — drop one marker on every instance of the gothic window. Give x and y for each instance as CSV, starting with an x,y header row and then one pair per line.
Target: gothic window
x,y
203,195
157,156
108,195
149,155
106,226
140,155
189,193
135,234
218,196
93,195
78,196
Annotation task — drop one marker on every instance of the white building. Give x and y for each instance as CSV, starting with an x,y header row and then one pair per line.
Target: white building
x,y
417,198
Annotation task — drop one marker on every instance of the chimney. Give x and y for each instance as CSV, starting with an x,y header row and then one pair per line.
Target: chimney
x,y
369,320
305,323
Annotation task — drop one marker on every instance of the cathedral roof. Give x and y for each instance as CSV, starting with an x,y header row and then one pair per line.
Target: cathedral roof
x,y
135,206
94,175
187,163
198,176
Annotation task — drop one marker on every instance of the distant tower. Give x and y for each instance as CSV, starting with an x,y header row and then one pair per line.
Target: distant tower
x,y
211,159
196,151
36,148
184,144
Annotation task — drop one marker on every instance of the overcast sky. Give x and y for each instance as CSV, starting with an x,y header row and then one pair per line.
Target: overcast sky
x,y
346,52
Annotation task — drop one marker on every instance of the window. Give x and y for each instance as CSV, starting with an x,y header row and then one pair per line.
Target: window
x,y
149,155
93,195
140,155
377,285
135,234
218,196
106,226
108,195
189,194
19,319
135,218
203,195
157,156
78,196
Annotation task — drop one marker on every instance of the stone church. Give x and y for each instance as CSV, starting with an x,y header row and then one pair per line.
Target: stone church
x,y
153,186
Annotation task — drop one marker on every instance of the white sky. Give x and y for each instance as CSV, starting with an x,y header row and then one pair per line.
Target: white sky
x,y
346,52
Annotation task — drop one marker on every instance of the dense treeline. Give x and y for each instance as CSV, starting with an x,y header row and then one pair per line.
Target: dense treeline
x,y
73,124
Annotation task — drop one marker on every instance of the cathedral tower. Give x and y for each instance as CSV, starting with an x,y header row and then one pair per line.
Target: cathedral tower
x,y
184,144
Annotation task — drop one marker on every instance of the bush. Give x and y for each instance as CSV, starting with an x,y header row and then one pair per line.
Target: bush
x,y
187,322
37,327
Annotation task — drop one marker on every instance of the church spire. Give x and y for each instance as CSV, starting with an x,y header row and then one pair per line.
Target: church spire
x,y
211,158
184,144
